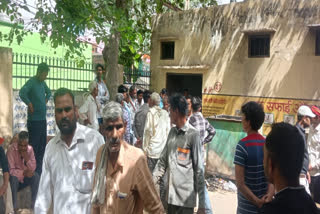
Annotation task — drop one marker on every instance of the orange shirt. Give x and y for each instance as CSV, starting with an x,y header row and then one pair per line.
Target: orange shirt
x,y
130,187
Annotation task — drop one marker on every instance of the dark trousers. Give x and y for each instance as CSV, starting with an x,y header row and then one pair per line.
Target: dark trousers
x,y
315,188
38,140
2,205
16,186
172,209
152,162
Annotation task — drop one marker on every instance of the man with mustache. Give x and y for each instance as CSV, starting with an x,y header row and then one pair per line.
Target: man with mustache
x,y
68,163
123,183
22,165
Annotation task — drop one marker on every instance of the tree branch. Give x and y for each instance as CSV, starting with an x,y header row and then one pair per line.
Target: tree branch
x,y
170,6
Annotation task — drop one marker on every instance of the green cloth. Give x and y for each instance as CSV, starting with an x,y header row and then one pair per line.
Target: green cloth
x,y
37,93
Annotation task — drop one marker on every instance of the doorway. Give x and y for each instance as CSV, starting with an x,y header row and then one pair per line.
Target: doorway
x,y
180,82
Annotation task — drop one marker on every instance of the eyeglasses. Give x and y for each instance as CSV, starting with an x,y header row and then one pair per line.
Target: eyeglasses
x,y
111,128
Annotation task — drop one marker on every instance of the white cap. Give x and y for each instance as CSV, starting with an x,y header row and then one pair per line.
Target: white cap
x,y
305,111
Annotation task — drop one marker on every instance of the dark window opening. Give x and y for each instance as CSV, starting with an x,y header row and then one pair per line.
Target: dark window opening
x,y
167,50
318,43
176,83
259,46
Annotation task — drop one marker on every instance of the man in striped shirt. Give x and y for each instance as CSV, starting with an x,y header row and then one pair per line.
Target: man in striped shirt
x,y
252,186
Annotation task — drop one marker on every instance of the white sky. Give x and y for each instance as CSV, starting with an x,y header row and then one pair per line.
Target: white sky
x,y
226,1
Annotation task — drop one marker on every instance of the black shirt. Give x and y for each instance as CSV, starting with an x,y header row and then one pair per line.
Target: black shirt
x,y
3,161
292,200
305,165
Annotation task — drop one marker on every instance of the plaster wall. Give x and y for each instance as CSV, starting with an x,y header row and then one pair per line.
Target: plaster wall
x,y
210,41
6,110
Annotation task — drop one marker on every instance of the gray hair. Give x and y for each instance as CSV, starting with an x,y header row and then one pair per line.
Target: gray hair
x,y
92,85
112,111
155,97
119,98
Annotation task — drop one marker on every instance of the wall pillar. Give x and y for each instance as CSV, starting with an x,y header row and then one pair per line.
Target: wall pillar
x,y
6,97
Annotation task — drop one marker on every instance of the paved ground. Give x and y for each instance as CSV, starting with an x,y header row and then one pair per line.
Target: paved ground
x,y
222,202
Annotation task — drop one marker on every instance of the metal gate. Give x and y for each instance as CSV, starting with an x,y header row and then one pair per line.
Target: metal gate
x,y
63,73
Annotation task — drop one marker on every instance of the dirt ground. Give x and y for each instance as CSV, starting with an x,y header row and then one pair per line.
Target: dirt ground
x,y
223,202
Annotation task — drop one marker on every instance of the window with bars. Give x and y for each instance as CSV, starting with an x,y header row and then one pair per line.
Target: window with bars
x,y
167,50
259,46
318,43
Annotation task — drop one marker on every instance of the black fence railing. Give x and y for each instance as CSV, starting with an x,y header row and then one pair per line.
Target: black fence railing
x,y
63,73
138,76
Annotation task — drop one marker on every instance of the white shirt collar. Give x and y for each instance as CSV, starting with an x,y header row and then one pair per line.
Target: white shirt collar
x,y
78,136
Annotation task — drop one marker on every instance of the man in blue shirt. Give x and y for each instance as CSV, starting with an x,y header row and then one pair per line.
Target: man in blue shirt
x,y
252,185
35,94
162,94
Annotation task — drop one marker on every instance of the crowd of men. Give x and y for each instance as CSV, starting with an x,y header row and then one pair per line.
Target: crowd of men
x,y
145,152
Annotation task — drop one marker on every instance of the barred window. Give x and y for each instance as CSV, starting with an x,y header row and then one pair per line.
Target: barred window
x,y
167,50
259,46
318,43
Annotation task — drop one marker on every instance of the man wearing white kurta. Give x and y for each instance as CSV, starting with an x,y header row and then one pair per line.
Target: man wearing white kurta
x,y
156,131
90,108
69,162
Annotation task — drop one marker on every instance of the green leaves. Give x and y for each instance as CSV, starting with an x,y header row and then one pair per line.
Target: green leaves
x,y
132,49
68,20
25,8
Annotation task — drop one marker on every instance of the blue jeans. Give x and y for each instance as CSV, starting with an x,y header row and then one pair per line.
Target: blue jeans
x,y
16,186
207,203
38,140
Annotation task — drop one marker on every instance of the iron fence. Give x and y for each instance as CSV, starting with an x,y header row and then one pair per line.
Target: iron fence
x,y
63,73
138,76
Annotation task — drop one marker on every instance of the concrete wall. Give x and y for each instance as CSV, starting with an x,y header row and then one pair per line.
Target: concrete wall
x,y
210,41
6,92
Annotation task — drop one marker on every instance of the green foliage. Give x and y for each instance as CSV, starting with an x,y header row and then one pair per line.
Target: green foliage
x,y
10,8
67,20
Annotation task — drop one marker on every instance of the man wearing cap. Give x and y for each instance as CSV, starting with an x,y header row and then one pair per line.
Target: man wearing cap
x,y
314,154
303,121
35,94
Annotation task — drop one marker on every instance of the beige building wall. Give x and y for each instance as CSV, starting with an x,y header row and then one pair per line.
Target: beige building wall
x,y
211,42
6,92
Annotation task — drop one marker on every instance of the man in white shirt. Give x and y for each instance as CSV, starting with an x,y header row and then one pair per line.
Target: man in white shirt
x,y
69,162
103,92
88,111
139,101
314,154
156,131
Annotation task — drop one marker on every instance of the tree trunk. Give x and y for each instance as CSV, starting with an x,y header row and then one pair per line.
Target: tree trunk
x,y
110,56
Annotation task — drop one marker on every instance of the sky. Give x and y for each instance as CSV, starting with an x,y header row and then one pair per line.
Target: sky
x,y
226,1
